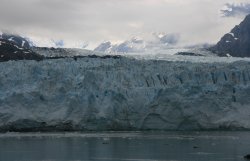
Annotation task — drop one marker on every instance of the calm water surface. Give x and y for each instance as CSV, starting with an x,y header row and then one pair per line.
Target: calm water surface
x,y
136,146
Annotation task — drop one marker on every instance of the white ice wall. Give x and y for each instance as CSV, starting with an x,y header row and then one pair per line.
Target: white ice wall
x,y
123,94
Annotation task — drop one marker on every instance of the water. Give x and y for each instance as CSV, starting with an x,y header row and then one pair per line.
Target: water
x,y
136,146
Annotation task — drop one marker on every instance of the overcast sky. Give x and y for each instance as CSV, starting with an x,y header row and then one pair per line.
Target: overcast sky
x,y
94,21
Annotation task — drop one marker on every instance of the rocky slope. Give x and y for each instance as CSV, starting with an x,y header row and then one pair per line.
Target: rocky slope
x,y
237,42
11,51
15,47
93,93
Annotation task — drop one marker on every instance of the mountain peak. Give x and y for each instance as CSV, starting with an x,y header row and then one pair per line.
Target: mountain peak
x,y
237,42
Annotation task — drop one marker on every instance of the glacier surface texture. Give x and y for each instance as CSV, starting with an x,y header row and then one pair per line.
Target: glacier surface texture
x,y
124,94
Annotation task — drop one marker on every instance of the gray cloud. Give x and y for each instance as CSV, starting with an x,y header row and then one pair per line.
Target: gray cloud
x,y
233,10
94,21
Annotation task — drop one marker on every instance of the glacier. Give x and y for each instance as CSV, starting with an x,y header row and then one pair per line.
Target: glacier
x,y
127,93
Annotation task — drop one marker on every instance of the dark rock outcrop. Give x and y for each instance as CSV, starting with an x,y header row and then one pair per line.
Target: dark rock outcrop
x,y
236,43
188,54
247,157
10,51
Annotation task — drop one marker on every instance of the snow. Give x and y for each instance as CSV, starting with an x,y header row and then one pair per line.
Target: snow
x,y
228,41
135,92
231,34
1,42
18,47
11,39
23,42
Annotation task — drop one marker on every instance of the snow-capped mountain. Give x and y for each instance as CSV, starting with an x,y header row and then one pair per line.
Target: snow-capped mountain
x,y
15,39
104,47
156,41
129,46
237,42
29,42
168,39
15,47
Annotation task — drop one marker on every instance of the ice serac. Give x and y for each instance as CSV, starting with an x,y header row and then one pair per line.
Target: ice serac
x,y
123,94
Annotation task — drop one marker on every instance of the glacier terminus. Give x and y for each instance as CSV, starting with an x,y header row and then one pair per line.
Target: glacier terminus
x,y
124,93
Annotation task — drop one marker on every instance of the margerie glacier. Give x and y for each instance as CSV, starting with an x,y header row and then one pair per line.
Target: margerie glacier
x,y
124,94
67,90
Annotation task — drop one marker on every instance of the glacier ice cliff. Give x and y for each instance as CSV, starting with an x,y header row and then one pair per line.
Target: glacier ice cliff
x,y
123,94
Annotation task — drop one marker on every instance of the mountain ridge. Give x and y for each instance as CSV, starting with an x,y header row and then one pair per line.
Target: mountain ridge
x,y
236,43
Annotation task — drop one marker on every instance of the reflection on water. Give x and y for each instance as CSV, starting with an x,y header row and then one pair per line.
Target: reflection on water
x,y
167,146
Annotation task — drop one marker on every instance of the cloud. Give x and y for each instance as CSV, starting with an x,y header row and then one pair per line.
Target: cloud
x,y
94,21
234,10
